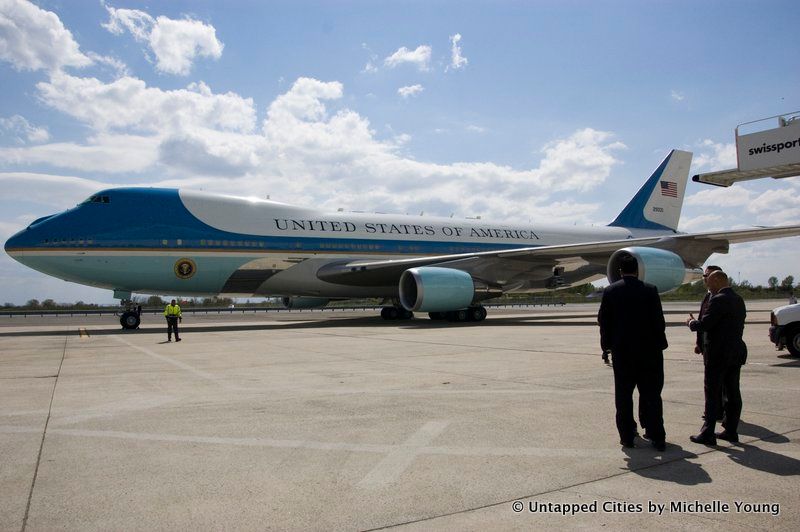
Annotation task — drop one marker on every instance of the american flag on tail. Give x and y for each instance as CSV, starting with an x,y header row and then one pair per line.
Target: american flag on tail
x,y
669,188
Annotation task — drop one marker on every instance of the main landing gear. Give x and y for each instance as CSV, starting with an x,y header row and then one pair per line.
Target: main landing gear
x,y
396,313
476,313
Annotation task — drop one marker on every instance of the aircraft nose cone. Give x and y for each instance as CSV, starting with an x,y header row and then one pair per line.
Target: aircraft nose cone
x,y
27,238
14,242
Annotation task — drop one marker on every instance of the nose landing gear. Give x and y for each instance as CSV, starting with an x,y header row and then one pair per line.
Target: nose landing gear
x,y
131,316
131,319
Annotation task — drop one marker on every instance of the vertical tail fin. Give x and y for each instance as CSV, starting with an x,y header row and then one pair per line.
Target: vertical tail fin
x,y
658,203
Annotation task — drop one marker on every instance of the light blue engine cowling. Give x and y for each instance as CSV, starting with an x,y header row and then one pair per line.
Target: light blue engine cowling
x,y
304,302
659,267
432,289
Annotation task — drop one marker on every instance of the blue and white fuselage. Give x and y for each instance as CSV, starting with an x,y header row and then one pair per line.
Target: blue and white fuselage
x,y
130,239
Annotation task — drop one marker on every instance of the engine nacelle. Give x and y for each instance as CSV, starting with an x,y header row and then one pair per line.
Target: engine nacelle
x,y
433,289
304,302
659,267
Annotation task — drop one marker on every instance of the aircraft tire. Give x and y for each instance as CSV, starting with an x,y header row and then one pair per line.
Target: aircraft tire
x,y
390,313
458,315
130,320
477,313
437,315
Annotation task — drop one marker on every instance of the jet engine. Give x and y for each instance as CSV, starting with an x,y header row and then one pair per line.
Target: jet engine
x,y
659,267
433,289
304,302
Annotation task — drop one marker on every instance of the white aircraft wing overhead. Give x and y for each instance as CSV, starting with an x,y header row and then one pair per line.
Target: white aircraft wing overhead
x,y
499,266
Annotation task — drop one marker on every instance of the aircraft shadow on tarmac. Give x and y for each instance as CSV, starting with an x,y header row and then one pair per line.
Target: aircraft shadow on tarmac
x,y
304,323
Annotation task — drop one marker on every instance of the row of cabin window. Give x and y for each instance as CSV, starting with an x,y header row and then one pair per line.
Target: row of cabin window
x,y
232,243
248,243
78,241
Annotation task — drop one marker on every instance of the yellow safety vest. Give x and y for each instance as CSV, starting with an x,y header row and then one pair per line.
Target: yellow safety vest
x,y
173,311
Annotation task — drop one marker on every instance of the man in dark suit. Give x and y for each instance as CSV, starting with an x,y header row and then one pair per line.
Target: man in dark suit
x,y
698,347
725,352
632,328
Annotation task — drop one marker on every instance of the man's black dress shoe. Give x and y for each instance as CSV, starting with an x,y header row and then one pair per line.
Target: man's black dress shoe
x,y
728,436
627,443
659,446
704,439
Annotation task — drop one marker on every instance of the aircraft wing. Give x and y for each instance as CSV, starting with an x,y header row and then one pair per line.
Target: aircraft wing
x,y
592,257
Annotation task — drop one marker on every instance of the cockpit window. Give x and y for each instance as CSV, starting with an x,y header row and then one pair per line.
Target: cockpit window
x,y
97,198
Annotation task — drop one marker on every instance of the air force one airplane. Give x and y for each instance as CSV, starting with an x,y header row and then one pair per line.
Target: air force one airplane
x,y
169,241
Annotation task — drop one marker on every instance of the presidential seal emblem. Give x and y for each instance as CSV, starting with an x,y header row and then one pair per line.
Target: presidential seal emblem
x,y
185,268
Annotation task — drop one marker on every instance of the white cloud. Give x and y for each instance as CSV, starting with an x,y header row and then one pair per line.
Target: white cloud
x,y
420,57
703,222
120,68
101,153
303,152
304,101
715,156
127,103
563,212
457,61
34,39
579,162
373,57
721,197
777,206
676,96
476,129
756,261
138,23
410,90
22,131
47,189
175,43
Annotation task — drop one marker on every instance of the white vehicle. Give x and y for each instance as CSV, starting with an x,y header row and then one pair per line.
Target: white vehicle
x,y
785,329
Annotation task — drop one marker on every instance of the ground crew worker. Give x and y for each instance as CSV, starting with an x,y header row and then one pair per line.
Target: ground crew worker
x,y
173,315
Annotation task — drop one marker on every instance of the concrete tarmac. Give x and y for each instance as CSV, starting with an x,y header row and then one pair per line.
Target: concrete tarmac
x,y
341,421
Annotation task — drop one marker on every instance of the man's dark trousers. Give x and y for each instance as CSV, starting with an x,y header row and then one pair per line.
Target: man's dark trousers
x,y
720,376
172,325
630,372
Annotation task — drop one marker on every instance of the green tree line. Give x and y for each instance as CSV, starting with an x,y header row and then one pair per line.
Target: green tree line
x,y
688,292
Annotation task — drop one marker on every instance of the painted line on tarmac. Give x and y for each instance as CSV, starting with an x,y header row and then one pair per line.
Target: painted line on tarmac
x,y
109,410
178,364
417,443
396,462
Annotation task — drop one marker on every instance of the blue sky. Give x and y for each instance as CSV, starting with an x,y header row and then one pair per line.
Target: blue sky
x,y
542,111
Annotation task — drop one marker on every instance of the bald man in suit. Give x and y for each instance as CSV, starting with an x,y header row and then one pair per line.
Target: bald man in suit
x,y
725,352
